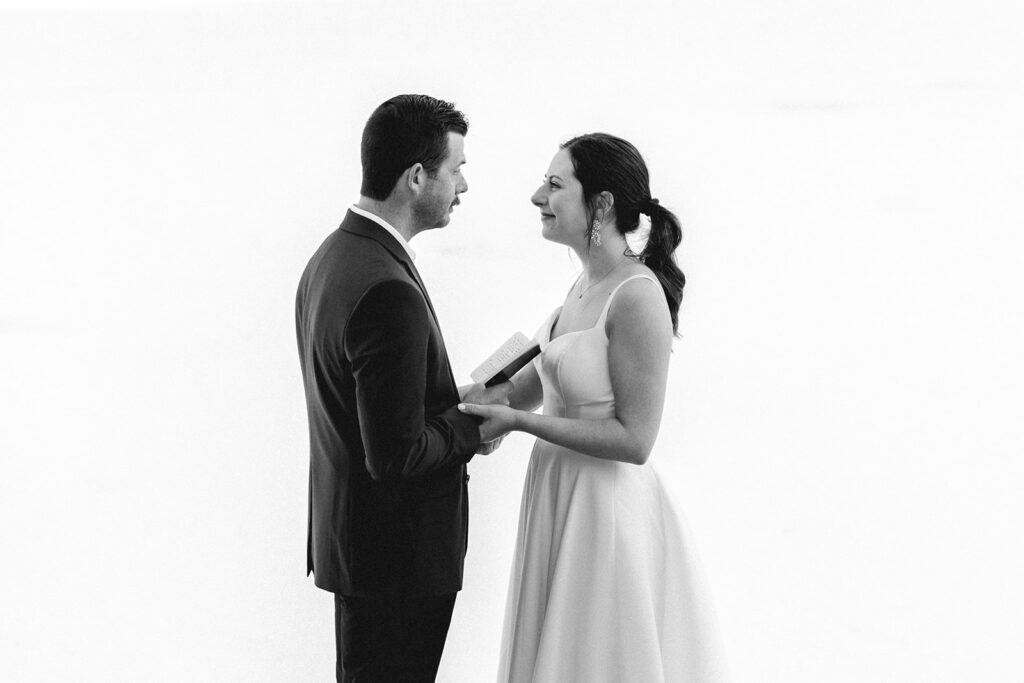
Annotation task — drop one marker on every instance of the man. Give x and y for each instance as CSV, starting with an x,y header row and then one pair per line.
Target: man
x,y
388,447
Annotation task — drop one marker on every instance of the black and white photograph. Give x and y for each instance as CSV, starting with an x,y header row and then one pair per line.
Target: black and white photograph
x,y
575,342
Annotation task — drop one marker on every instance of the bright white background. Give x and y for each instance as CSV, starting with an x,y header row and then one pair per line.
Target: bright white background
x,y
843,430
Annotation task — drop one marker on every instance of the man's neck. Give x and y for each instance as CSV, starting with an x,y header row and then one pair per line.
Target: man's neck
x,y
398,216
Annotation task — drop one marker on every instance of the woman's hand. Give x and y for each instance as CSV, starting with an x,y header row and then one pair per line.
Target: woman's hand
x,y
498,420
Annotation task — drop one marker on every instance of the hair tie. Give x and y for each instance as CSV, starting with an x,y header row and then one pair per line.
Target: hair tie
x,y
647,206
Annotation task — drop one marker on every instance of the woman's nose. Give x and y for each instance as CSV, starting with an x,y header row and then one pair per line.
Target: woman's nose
x,y
538,198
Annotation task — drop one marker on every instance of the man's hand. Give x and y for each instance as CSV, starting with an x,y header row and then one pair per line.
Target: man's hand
x,y
479,394
498,420
488,447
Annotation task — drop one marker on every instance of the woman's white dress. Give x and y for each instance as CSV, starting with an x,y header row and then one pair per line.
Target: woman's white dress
x,y
604,587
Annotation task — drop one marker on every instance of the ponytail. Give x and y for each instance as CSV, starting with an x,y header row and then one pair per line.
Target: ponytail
x,y
604,162
659,255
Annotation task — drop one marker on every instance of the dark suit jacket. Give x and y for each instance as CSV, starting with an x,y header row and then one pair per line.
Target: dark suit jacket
x,y
388,449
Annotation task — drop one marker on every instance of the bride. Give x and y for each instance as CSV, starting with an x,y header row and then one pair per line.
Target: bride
x,y
603,585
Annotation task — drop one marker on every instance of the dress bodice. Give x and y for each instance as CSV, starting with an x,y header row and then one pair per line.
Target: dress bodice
x,y
604,586
573,367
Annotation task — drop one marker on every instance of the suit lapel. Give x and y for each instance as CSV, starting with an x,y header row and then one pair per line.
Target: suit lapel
x,y
360,225
411,268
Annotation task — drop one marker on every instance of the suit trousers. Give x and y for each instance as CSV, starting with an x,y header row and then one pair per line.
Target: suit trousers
x,y
391,640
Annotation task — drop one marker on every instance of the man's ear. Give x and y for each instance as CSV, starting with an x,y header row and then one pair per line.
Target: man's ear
x,y
415,177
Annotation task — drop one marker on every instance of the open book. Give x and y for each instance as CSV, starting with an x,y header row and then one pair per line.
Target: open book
x,y
506,361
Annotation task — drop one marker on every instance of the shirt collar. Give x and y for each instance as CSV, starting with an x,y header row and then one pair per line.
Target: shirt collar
x,y
387,226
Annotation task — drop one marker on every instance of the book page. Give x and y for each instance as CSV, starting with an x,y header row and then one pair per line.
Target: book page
x,y
508,352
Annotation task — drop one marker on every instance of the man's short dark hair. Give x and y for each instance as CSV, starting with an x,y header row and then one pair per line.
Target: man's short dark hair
x,y
405,130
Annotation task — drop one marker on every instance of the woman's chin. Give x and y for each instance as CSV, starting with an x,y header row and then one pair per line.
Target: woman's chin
x,y
549,233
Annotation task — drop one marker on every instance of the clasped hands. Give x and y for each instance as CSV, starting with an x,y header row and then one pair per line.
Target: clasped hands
x,y
490,404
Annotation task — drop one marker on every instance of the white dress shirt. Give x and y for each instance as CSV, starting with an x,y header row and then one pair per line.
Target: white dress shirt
x,y
387,226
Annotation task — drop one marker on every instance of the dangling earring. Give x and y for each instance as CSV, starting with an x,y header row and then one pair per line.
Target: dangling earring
x,y
595,232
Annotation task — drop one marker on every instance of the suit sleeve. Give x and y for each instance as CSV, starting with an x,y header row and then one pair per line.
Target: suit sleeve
x,y
386,341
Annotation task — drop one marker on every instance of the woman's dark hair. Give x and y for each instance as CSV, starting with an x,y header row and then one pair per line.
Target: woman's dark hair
x,y
604,162
405,130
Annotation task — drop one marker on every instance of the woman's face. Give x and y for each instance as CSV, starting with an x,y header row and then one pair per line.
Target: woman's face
x,y
563,215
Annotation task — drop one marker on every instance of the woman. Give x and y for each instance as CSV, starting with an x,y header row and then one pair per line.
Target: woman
x,y
602,585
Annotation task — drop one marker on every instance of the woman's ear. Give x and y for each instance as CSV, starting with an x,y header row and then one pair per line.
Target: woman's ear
x,y
603,204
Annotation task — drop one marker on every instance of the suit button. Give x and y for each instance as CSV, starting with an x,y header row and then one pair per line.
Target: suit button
x,y
467,477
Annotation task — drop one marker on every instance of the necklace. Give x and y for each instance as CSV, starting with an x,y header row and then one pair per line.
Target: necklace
x,y
598,280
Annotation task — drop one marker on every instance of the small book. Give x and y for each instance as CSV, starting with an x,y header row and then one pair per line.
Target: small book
x,y
504,363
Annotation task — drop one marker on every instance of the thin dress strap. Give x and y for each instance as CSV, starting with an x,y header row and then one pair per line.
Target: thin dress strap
x,y
608,304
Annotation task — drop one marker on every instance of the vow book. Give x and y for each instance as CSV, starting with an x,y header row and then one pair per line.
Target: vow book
x,y
506,361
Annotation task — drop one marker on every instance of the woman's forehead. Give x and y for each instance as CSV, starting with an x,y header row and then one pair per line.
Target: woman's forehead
x,y
561,165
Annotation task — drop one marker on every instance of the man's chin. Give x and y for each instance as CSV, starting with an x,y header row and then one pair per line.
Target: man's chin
x,y
433,221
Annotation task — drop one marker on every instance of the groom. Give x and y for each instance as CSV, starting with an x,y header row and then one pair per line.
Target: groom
x,y
388,448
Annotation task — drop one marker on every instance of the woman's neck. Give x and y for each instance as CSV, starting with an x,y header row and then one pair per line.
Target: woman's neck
x,y
599,260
